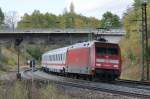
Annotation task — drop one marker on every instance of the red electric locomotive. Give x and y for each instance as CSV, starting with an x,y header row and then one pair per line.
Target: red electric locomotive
x,y
92,59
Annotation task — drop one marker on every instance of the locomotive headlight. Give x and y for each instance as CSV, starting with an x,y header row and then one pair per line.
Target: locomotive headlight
x,y
98,64
116,66
114,61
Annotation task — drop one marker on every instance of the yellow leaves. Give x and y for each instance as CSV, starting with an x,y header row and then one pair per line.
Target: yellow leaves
x,y
131,46
78,23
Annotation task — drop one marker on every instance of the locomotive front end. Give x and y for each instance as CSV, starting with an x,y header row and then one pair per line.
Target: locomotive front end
x,y
107,60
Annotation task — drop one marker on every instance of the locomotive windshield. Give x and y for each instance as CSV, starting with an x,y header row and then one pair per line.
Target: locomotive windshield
x,y
106,51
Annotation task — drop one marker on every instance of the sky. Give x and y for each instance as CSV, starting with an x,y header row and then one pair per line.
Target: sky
x,y
94,8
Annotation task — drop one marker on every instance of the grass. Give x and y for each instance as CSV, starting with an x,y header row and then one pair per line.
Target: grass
x,y
131,72
8,54
27,90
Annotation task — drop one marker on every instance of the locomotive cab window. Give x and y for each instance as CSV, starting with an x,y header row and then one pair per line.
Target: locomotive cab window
x,y
106,51
112,51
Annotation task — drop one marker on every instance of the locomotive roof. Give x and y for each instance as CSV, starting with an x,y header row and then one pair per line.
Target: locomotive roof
x,y
85,44
77,45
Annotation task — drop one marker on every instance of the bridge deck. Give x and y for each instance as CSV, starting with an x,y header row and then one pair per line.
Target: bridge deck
x,y
60,35
72,31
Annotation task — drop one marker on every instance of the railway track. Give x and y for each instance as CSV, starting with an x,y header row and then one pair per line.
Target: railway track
x,y
125,88
134,82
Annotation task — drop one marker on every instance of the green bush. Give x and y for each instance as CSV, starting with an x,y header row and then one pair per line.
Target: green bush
x,y
11,62
35,52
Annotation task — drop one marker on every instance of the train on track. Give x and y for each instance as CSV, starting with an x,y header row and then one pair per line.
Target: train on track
x,y
93,59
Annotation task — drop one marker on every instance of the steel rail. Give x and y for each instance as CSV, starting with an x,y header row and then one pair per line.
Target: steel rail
x,y
134,82
89,85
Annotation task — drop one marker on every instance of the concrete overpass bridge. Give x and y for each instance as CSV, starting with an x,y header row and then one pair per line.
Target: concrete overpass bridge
x,y
61,35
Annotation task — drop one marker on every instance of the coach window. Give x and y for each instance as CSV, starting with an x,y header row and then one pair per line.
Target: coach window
x,y
50,58
53,58
46,58
62,57
58,57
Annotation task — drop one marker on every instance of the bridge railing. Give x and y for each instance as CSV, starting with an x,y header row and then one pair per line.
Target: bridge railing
x,y
89,30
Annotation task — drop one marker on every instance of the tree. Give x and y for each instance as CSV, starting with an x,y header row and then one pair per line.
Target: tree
x,y
1,17
137,3
132,40
110,20
25,22
11,19
49,20
72,8
35,52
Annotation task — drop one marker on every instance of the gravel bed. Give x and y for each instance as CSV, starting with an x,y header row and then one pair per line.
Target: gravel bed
x,y
95,84
8,76
41,74
80,93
